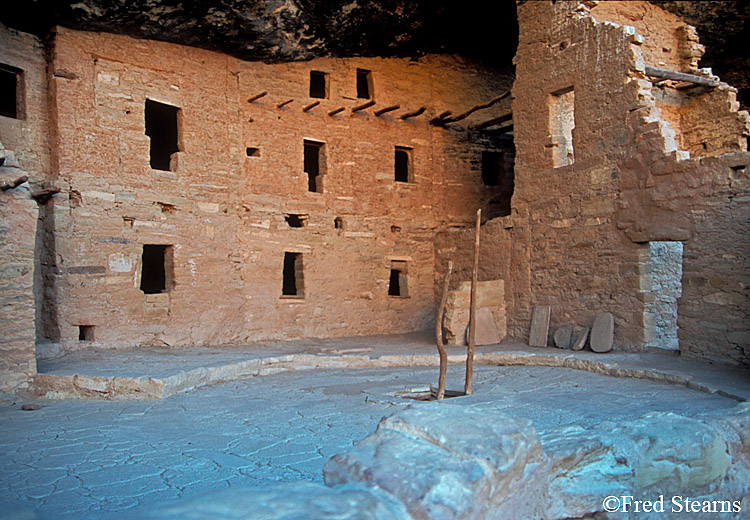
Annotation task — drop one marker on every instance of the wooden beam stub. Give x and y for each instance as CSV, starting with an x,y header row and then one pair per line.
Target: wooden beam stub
x,y
284,103
45,194
386,110
257,96
655,72
466,114
310,106
13,184
336,111
492,122
437,120
414,113
362,106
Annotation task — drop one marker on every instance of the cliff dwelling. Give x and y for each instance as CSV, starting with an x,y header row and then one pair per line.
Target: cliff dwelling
x,y
204,194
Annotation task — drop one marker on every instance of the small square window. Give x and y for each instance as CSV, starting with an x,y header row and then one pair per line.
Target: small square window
x,y
364,84
85,333
318,84
252,152
11,92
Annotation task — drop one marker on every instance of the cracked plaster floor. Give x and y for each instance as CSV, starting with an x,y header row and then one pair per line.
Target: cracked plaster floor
x,y
102,459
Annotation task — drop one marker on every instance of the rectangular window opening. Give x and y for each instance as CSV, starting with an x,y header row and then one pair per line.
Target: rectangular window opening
x,y
252,152
11,92
562,123
318,84
85,333
293,275
161,127
403,165
157,269
497,172
314,165
364,84
338,223
398,281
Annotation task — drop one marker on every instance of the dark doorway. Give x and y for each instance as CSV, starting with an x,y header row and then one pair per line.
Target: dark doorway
x,y
10,91
161,127
402,164
318,84
292,284
155,268
364,84
313,165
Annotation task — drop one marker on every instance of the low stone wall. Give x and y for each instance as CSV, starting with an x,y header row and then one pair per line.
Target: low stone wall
x,y
445,461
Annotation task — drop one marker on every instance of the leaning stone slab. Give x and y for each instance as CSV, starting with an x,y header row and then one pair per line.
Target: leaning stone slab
x,y
450,462
539,326
564,336
581,335
602,332
486,333
287,501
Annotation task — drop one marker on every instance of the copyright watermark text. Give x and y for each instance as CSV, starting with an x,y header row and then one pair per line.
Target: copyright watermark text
x,y
677,504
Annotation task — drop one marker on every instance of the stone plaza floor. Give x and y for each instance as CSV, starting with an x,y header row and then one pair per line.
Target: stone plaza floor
x,y
113,459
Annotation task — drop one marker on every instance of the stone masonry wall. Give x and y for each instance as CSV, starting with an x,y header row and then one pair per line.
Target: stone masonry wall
x,y
627,181
578,262
23,152
223,211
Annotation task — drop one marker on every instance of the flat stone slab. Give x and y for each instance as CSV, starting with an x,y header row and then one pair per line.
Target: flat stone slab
x,y
564,336
486,333
539,326
602,333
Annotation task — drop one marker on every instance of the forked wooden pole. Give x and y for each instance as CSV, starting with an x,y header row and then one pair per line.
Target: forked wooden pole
x,y
473,312
439,334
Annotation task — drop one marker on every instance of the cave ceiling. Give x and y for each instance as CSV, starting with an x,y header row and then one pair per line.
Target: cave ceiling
x,y
287,30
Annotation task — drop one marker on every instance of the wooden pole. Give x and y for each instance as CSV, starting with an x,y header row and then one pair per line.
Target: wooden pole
x,y
256,96
336,111
364,105
655,72
439,334
415,113
473,311
284,103
382,111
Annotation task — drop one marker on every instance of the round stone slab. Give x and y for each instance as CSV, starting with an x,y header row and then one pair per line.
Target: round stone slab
x,y
564,336
602,332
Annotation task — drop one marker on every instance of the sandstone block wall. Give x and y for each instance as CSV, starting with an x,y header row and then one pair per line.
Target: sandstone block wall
x,y
629,179
224,207
23,152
